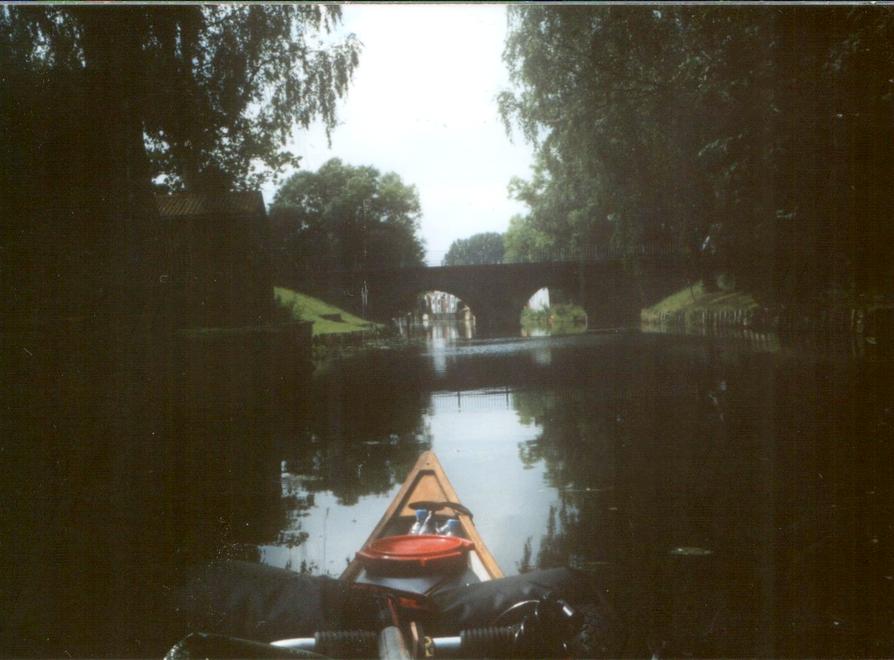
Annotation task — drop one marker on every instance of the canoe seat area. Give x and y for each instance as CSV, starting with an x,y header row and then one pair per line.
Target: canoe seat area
x,y
428,483
427,487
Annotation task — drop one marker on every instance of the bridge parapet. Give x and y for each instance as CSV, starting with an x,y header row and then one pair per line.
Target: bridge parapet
x,y
586,254
496,293
590,253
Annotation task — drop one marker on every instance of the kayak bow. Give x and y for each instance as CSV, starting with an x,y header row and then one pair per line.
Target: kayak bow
x,y
380,564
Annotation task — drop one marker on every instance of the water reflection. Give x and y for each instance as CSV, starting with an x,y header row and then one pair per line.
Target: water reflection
x,y
735,501
544,330
715,487
116,478
476,434
440,335
756,340
726,504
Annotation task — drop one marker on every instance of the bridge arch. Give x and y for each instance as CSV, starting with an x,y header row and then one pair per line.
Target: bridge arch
x,y
495,309
553,309
608,291
436,303
444,306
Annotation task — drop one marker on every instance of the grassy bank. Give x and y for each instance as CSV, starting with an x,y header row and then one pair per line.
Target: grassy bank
x,y
692,305
326,318
560,318
695,299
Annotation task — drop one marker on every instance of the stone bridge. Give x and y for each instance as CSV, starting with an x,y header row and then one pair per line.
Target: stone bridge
x,y
610,291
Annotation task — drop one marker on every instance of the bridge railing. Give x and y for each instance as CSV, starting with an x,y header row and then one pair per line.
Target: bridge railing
x,y
597,253
587,253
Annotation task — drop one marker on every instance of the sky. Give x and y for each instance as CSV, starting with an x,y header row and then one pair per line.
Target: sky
x,y
423,104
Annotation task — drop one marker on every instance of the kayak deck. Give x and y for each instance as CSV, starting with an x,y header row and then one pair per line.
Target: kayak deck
x,y
428,482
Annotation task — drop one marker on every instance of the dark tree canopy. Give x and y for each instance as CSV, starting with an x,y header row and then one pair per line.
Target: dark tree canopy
x,y
768,127
97,102
220,87
343,217
484,248
228,84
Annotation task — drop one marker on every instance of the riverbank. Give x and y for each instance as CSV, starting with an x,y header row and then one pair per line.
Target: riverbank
x,y
694,307
327,319
303,328
336,333
562,318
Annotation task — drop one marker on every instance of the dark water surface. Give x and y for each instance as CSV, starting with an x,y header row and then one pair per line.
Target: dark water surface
x,y
734,496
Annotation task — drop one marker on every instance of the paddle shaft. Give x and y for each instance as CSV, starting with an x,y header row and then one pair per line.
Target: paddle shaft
x,y
391,643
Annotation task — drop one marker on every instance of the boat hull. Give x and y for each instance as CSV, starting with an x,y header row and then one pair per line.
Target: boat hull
x,y
426,482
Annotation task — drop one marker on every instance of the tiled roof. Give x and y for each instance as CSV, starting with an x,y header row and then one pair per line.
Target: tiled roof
x,y
192,204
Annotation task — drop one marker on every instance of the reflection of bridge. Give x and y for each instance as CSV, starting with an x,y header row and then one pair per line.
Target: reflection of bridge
x,y
611,292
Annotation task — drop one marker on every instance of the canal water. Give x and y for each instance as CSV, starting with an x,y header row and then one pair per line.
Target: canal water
x,y
733,496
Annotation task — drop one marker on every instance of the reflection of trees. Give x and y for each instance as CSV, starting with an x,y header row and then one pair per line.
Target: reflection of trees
x,y
363,430
576,437
115,482
127,478
723,494
554,550
634,477
352,470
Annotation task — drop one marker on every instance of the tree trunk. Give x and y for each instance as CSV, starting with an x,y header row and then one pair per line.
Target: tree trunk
x,y
122,217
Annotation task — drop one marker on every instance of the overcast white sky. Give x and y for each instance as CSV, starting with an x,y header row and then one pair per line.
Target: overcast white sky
x,y
423,104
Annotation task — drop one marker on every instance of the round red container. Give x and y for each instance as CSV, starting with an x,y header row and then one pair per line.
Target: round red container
x,y
412,553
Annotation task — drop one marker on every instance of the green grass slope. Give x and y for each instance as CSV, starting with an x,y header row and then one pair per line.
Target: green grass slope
x,y
307,308
695,298
692,300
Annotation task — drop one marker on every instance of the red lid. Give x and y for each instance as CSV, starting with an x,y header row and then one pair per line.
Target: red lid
x,y
412,553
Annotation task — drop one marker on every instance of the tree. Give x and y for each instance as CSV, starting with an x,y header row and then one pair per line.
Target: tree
x,y
237,80
767,127
99,102
525,242
343,217
484,248
218,88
